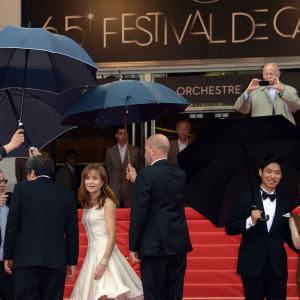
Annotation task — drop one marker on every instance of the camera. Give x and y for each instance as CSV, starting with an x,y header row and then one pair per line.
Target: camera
x,y
264,83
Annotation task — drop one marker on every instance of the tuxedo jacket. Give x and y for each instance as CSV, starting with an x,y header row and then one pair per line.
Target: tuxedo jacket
x,y
261,103
174,150
157,221
42,226
116,171
257,243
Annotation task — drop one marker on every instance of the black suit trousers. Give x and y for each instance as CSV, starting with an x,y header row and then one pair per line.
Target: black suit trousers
x,y
6,284
266,286
163,277
39,283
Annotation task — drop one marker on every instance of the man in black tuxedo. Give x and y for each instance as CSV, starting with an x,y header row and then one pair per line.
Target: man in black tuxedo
x,y
158,234
263,223
41,240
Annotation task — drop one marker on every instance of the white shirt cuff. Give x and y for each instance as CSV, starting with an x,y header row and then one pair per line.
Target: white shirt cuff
x,y
246,97
249,223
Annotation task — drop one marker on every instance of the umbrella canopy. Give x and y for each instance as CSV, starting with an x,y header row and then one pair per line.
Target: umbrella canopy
x,y
225,160
140,101
37,69
42,123
34,58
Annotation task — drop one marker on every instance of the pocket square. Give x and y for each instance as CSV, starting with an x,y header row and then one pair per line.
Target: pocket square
x,y
287,215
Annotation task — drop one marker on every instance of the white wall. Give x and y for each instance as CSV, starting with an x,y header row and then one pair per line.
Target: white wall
x,y
10,12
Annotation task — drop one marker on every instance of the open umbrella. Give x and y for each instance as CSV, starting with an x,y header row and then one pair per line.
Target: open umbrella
x,y
137,101
34,58
38,65
42,123
224,162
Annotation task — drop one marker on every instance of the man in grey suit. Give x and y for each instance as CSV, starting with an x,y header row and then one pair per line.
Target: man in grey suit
x,y
274,99
183,128
116,159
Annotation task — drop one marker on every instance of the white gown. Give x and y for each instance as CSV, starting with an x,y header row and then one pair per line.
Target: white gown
x,y
119,281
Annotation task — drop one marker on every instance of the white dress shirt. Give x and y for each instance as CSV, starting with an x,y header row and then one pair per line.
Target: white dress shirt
x,y
122,151
182,145
269,208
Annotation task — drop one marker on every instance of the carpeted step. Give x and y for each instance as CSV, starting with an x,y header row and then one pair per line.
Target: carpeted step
x,y
225,290
221,276
223,263
211,266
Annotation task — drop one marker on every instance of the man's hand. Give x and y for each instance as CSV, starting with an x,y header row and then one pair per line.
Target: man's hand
x,y
130,173
276,84
16,141
255,215
253,85
3,199
134,258
70,272
8,266
33,151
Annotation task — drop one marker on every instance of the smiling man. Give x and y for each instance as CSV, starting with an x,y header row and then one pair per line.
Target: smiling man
x,y
260,218
273,98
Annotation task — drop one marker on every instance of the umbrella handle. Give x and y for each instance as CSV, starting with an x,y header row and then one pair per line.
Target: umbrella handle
x,y
125,126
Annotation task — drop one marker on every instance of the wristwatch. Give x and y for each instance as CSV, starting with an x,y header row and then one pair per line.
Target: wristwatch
x,y
3,152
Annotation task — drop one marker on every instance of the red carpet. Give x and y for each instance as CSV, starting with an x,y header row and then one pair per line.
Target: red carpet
x,y
211,265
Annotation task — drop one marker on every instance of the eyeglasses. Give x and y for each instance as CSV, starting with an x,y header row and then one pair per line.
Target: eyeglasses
x,y
3,181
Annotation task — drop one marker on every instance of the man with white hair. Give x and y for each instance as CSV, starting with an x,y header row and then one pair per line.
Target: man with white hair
x,y
158,234
269,96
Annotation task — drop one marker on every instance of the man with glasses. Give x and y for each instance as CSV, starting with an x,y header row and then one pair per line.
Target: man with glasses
x,y
6,282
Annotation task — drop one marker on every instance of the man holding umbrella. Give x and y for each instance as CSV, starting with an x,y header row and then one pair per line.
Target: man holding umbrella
x,y
262,219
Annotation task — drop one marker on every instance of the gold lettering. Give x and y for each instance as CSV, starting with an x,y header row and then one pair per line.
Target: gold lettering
x,y
144,30
211,32
156,15
180,38
245,39
205,32
124,28
105,32
275,25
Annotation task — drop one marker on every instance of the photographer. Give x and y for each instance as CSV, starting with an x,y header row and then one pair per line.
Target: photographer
x,y
269,96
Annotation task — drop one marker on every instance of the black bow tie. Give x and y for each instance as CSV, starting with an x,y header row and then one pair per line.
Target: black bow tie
x,y
265,195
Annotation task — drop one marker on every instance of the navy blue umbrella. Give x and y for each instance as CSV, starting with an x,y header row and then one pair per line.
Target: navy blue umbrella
x,y
36,67
34,58
138,101
41,122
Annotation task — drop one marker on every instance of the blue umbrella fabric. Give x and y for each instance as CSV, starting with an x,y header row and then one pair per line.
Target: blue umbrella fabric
x,y
139,101
42,123
34,58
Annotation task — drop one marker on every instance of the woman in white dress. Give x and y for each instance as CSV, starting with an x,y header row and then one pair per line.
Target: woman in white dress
x,y
105,273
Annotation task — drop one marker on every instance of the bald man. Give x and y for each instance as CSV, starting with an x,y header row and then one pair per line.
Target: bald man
x,y
274,99
158,234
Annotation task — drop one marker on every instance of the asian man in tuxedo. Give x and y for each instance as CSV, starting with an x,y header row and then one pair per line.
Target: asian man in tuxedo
x,y
263,222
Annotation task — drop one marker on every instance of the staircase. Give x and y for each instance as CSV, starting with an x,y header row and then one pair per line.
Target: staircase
x,y
211,265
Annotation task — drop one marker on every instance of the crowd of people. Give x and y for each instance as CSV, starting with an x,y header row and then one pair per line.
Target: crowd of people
x,y
39,225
